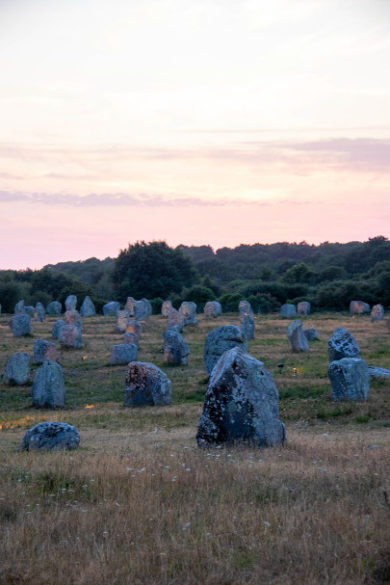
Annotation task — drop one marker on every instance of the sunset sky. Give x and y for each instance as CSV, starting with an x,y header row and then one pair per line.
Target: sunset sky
x,y
198,122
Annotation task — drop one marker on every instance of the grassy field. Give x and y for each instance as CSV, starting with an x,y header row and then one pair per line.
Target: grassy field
x,y
138,503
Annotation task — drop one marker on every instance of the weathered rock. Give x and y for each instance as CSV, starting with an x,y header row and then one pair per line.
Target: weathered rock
x,y
288,311
123,353
303,308
142,309
134,326
54,308
311,334
377,313
131,337
72,317
111,308
165,308
241,404
70,336
296,336
70,303
376,372
247,325
57,326
50,436
44,350
188,310
19,307
212,309
358,307
129,306
176,350
29,310
87,308
146,385
350,379
17,369
176,320
48,389
20,324
220,340
39,312
245,308
342,344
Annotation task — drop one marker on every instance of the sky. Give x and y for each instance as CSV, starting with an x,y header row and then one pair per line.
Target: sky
x,y
194,122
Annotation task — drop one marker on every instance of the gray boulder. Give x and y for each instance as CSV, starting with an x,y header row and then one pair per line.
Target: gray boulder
x,y
241,404
376,372
147,385
17,369
176,320
20,324
358,307
131,337
245,308
212,309
44,350
176,350
39,312
303,308
288,311
350,379
296,336
57,326
70,336
188,310
50,436
111,308
247,325
70,303
72,317
142,309
123,353
342,344
311,334
377,313
48,389
220,340
54,308
19,307
165,308
87,308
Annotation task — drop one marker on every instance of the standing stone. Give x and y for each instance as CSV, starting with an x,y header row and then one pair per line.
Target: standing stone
x,y
54,308
241,404
29,310
20,324
72,317
70,303
288,311
311,334
70,336
44,350
147,385
377,313
296,336
19,307
247,326
131,337
212,309
134,326
48,389
303,308
165,308
176,320
188,310
50,436
342,344
57,326
122,319
17,369
111,308
87,308
220,340
350,379
123,353
39,312
142,309
245,308
129,306
176,350
358,307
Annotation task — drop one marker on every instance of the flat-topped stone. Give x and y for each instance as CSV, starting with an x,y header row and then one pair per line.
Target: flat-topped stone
x,y
123,353
303,308
350,379
111,308
288,311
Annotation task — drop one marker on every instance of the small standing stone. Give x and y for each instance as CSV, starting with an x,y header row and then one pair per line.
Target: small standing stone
x,y
165,308
20,324
175,348
39,312
142,309
111,308
147,385
296,336
358,307
48,389
44,350
54,308
129,306
17,369
57,326
350,379
72,317
134,326
50,436
70,336
176,320
311,334
245,308
188,310
247,325
19,307
122,319
29,310
123,353
70,303
303,308
212,309
377,313
131,337
87,308
220,340
342,344
288,311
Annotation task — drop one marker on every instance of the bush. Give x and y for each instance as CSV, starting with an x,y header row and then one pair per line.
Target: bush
x,y
230,302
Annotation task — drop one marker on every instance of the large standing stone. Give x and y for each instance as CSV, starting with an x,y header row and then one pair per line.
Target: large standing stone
x,y
342,344
296,336
54,308
142,309
57,326
358,307
377,313
44,350
176,320
176,350
50,436
134,326
17,369
247,325
70,336
188,310
350,379
87,308
19,307
70,303
288,311
129,306
165,308
72,317
220,340
212,309
122,319
111,308
241,404
303,308
146,385
123,353
20,324
245,308
48,389
39,312
311,334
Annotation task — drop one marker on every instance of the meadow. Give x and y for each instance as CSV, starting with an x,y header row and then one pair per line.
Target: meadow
x,y
139,503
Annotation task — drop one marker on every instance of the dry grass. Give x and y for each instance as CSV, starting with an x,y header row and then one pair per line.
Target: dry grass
x,y
138,503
